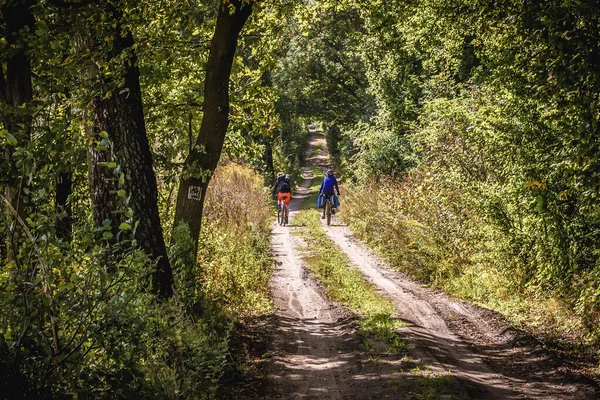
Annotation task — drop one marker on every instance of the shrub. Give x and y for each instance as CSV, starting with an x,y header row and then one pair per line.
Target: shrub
x,y
86,326
79,321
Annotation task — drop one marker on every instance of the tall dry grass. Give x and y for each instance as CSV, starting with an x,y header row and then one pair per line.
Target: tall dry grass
x,y
234,249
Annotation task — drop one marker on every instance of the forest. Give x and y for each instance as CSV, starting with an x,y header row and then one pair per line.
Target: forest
x,y
139,141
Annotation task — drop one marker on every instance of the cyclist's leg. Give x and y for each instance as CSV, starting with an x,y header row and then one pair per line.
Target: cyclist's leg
x,y
281,213
326,198
287,200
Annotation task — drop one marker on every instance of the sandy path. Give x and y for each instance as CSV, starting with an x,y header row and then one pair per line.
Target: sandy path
x,y
311,330
316,352
309,325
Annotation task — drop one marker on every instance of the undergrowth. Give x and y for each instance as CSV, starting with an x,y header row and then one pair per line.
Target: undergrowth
x,y
234,249
78,319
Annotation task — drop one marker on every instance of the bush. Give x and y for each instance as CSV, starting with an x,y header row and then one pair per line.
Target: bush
x,y
79,320
86,326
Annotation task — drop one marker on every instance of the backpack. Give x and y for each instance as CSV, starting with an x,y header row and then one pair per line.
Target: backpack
x,y
283,184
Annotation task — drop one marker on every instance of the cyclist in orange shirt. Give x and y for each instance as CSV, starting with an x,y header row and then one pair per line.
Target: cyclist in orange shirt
x,y
283,190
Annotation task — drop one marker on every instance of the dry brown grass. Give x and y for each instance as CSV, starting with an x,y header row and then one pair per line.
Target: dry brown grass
x,y
237,198
234,251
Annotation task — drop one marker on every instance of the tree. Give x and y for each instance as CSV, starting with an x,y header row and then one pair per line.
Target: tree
x,y
15,95
122,180
205,155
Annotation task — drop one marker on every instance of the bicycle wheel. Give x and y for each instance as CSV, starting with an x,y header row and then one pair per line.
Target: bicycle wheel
x,y
286,214
328,211
280,216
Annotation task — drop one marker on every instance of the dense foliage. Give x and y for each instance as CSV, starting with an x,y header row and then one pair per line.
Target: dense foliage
x,y
95,98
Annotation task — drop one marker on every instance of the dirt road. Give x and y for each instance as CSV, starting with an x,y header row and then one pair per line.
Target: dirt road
x,y
469,350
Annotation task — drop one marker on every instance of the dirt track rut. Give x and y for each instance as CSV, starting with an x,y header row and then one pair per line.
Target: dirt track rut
x,y
316,351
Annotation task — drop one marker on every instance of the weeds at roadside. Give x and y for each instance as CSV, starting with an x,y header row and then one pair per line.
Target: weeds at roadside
x,y
236,266
234,248
462,257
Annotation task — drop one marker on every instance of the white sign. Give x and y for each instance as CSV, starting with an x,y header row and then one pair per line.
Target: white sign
x,y
195,193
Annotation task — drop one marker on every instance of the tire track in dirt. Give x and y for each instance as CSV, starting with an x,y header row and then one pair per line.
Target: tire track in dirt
x,y
316,351
487,356
305,346
309,346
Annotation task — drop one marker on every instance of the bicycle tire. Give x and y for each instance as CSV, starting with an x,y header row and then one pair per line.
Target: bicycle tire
x,y
328,211
280,216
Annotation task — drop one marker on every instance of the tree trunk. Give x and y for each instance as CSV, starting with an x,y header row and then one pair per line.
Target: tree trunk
x,y
62,206
268,159
205,155
130,182
16,91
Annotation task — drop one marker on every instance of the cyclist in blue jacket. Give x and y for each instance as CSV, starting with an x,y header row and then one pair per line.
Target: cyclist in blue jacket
x,y
327,187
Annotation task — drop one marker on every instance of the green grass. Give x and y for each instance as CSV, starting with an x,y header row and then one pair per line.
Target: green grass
x,y
433,386
317,149
345,284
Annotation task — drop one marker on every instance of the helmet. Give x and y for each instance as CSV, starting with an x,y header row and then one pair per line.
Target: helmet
x,y
330,172
279,174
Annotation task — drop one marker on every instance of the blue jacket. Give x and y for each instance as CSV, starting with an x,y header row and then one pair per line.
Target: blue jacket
x,y
328,184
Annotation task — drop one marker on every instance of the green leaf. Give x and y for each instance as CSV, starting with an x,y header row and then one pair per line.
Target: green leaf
x,y
107,235
11,139
121,193
106,222
125,226
42,29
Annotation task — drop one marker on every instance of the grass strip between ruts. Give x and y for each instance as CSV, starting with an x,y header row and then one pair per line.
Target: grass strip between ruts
x,y
345,283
